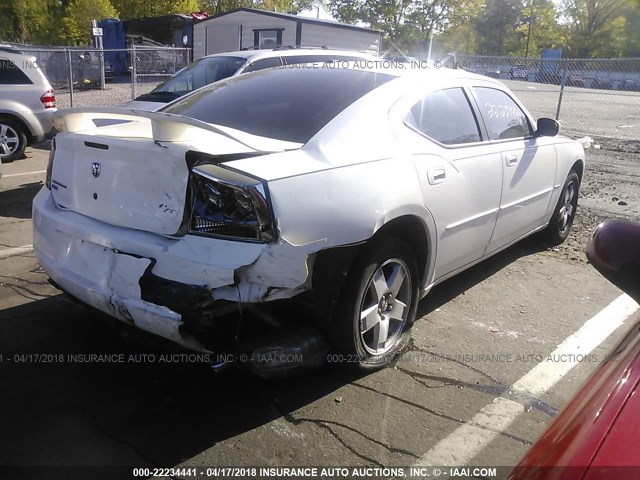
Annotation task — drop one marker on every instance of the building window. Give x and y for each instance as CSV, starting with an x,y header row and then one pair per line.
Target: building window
x,y
267,38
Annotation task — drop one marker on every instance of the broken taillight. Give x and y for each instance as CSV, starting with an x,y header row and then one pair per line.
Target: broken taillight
x,y
48,100
227,203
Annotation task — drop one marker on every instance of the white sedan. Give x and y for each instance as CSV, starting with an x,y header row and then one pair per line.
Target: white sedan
x,y
358,188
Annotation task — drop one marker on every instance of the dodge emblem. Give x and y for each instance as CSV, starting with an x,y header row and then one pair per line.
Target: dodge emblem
x,y
95,169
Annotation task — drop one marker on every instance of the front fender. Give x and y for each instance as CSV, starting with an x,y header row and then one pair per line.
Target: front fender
x,y
569,153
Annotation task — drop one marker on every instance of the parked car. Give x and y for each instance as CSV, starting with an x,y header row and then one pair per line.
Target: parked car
x,y
491,72
85,68
216,67
92,62
358,188
27,103
548,77
574,80
601,83
154,61
629,85
597,432
519,71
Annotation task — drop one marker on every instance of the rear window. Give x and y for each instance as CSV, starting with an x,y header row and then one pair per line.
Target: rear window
x,y
285,104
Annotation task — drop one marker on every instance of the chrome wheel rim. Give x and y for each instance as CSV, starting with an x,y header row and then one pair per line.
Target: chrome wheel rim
x,y
9,140
567,208
385,307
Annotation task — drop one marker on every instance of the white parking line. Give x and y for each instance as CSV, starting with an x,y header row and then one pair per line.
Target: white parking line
x,y
23,174
468,440
12,252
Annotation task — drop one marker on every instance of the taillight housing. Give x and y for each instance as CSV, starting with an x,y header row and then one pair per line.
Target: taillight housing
x,y
229,204
47,181
48,100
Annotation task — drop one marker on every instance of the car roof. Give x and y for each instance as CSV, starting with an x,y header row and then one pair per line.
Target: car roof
x,y
286,52
15,54
420,72
10,49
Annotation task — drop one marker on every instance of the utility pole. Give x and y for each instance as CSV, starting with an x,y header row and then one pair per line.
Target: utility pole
x,y
526,50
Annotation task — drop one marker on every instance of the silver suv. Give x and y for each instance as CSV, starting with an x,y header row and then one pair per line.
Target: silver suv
x,y
27,103
216,67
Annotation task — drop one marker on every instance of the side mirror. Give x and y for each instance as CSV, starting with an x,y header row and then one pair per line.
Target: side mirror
x,y
614,250
547,127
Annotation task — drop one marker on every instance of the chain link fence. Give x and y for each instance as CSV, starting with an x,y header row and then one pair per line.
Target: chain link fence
x,y
598,98
84,77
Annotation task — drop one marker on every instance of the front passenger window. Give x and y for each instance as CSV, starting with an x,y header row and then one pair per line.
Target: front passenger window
x,y
504,118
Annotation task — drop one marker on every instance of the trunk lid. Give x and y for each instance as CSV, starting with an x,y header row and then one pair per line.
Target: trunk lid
x,y
132,171
128,183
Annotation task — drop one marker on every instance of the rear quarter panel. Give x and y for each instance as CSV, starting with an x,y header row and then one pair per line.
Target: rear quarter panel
x,y
346,205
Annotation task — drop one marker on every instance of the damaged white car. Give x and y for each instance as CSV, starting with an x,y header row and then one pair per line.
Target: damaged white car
x,y
358,189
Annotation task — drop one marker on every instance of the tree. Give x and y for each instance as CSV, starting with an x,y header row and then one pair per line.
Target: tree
x,y
33,20
215,7
152,8
8,22
78,16
460,35
497,27
407,24
595,27
540,29
631,32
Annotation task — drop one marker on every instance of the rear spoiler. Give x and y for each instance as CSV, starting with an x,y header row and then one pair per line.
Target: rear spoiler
x,y
165,127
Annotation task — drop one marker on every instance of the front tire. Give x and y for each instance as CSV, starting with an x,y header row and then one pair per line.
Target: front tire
x,y
378,305
13,140
560,225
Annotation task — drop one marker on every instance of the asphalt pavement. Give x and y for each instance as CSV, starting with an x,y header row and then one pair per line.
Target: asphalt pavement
x,y
455,397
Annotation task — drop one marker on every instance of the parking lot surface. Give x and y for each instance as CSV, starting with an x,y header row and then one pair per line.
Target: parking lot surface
x,y
455,397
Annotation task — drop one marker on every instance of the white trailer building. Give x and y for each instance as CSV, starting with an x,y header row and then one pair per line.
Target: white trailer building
x,y
252,28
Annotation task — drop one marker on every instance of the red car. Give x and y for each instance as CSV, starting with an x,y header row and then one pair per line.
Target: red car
x,y
597,435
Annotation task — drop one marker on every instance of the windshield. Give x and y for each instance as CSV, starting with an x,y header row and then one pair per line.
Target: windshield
x,y
202,72
285,104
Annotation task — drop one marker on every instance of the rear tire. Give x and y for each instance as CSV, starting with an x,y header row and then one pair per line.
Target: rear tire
x,y
564,213
377,306
13,140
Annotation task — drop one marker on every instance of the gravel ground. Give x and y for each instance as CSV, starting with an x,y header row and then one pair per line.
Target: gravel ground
x,y
610,189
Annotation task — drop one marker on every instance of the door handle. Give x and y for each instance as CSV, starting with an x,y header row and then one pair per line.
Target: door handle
x,y
511,159
436,176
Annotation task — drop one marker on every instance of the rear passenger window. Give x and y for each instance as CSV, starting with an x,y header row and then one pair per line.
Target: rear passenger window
x,y
503,117
445,116
10,74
